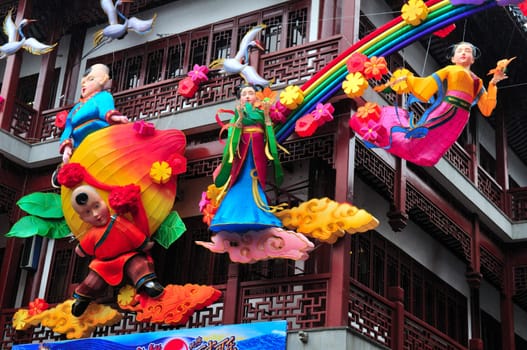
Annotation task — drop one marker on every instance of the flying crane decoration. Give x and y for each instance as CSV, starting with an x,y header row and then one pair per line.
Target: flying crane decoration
x,y
17,40
239,64
117,30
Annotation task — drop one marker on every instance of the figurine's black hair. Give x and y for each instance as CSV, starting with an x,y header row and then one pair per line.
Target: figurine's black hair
x,y
81,198
238,89
476,52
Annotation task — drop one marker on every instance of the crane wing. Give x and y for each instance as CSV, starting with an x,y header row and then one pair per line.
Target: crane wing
x,y
9,26
35,47
109,8
141,26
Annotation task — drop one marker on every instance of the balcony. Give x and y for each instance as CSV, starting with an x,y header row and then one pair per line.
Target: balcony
x,y
291,66
300,300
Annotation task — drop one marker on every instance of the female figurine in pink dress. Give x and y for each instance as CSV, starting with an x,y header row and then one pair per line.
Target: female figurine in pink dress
x,y
423,140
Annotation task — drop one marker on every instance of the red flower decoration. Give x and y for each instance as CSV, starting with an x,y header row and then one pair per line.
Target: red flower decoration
x,y
178,163
370,111
71,174
208,213
187,87
125,199
375,68
356,62
278,112
37,306
306,125
523,8
60,119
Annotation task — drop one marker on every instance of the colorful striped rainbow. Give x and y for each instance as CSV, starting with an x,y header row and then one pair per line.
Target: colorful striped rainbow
x,y
385,40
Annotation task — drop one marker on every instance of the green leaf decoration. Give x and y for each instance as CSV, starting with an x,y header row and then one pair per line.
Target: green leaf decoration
x,y
170,230
29,226
59,229
43,205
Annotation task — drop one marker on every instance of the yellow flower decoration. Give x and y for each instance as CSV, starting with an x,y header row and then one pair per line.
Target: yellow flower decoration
x,y
19,319
291,97
215,194
400,87
354,85
126,296
160,172
414,12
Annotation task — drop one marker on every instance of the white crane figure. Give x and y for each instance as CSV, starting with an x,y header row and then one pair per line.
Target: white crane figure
x,y
14,43
239,64
116,30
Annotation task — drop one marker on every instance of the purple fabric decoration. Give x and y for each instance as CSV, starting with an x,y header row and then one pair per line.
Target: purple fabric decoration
x,y
467,2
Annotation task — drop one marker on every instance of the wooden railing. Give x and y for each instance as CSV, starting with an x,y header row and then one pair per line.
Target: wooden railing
x,y
300,300
291,66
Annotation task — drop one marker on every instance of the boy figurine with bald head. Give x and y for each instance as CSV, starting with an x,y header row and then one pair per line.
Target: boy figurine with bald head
x,y
118,247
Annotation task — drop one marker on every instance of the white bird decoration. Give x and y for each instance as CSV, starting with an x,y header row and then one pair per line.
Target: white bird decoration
x,y
116,30
14,44
239,64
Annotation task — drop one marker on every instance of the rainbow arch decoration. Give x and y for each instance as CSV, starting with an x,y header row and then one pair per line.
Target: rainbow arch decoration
x,y
385,40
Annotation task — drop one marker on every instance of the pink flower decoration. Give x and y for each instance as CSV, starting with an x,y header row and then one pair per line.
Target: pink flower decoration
x,y
323,113
204,201
356,62
370,132
199,73
144,128
278,112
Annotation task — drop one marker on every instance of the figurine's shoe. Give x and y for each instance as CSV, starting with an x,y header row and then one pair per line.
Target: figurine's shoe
x,y
153,289
79,306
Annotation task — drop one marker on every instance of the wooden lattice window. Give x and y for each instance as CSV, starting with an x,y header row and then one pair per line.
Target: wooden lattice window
x,y
272,34
154,66
297,27
115,73
221,44
186,262
58,287
198,51
132,72
175,61
378,264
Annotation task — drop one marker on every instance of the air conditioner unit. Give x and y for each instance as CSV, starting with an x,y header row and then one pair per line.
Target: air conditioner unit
x,y
31,253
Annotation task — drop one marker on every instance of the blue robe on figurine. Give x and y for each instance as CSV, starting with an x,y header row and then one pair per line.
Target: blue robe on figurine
x,y
239,211
88,116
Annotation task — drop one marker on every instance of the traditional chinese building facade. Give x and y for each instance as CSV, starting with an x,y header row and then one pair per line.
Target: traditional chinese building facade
x,y
446,268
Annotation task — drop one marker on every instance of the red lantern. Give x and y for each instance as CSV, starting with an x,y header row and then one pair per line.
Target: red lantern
x,y
187,87
306,125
